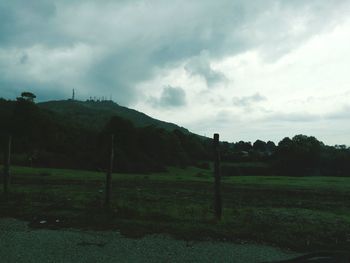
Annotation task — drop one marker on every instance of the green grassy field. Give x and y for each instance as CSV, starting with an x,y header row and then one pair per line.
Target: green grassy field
x,y
301,213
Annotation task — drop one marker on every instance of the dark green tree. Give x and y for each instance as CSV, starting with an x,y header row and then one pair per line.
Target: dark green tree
x,y
28,96
299,155
259,146
243,146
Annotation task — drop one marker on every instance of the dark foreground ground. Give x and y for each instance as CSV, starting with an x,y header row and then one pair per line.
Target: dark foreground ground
x,y
19,243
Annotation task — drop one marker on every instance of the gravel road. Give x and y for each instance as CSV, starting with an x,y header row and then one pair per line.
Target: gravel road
x,y
19,243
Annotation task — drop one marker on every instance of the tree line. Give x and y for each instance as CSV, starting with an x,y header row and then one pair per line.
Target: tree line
x,y
298,156
41,137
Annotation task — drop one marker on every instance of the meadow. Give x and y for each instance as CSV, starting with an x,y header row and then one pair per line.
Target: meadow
x,y
300,213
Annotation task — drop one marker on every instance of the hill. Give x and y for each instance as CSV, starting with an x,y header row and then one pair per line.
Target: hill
x,y
75,134
95,114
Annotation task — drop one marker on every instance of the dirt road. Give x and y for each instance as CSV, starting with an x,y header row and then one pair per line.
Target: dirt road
x,y
19,243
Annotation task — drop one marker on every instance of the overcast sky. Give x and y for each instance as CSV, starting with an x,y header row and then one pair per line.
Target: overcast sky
x,y
245,69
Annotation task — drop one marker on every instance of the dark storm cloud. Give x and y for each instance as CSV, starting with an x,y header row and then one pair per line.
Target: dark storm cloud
x,y
201,66
25,23
24,58
171,97
12,89
108,47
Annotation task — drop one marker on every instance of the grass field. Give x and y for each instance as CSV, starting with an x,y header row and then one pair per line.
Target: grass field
x,y
301,213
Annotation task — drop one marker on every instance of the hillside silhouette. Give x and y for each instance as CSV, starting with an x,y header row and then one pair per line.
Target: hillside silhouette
x,y
96,114
76,134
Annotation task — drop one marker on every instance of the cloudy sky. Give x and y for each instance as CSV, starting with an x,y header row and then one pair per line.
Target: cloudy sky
x,y
245,69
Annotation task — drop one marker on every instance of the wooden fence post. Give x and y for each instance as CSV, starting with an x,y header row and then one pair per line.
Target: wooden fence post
x,y
217,196
7,161
109,173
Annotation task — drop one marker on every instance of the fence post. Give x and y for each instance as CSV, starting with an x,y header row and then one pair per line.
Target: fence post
x,y
7,161
109,173
217,196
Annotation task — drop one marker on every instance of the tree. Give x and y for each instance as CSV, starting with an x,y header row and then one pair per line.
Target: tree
x,y
271,146
28,96
307,150
259,146
243,146
299,155
29,125
285,147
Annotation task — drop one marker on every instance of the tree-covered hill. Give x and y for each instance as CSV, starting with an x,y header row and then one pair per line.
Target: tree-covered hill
x,y
73,134
96,114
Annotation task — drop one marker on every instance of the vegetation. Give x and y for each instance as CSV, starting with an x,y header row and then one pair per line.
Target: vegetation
x,y
304,213
300,156
46,138
74,134
94,114
293,194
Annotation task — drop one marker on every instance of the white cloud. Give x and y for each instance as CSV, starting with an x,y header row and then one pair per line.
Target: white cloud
x,y
293,53
306,91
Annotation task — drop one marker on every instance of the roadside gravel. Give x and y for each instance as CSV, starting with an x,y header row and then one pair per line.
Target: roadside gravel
x,y
19,243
